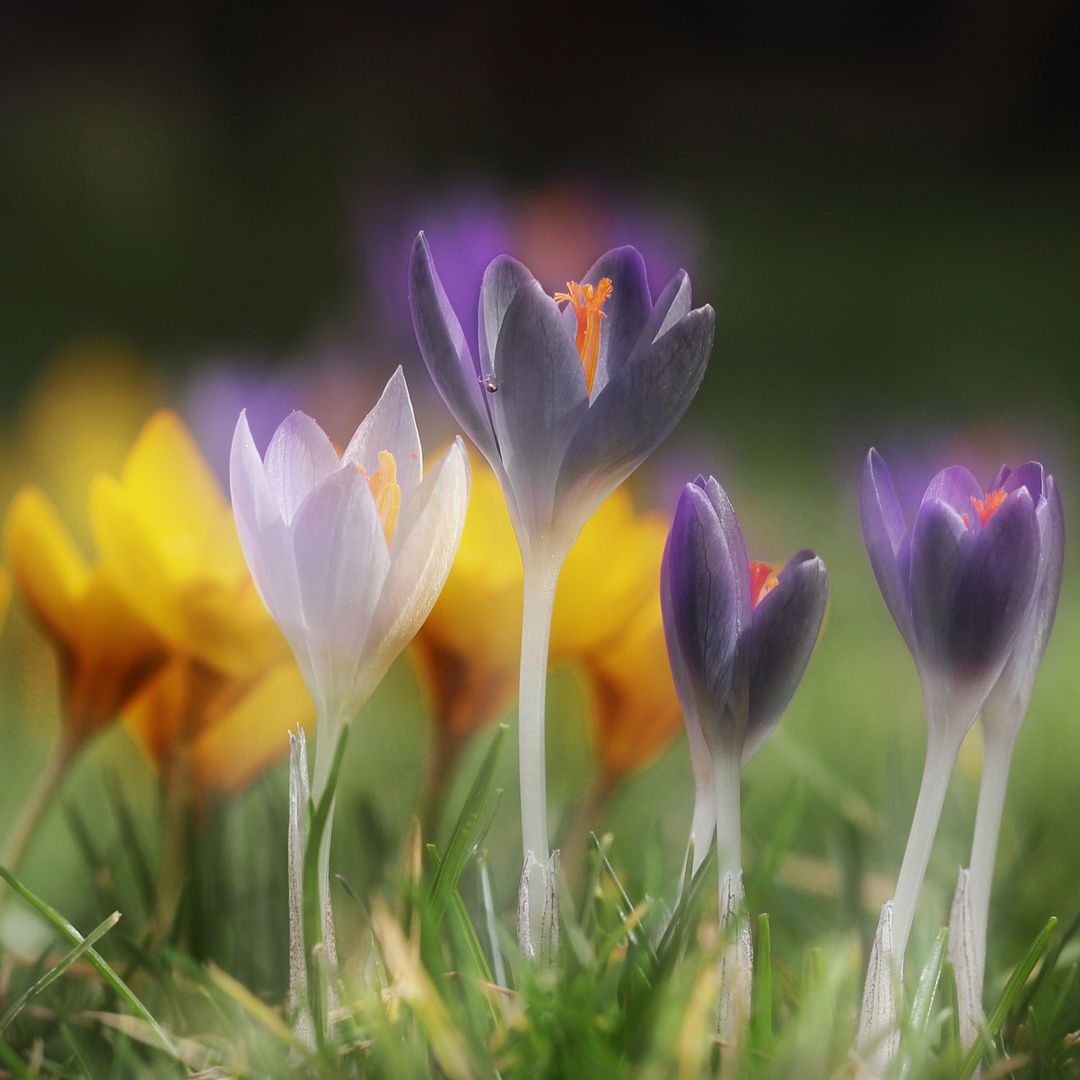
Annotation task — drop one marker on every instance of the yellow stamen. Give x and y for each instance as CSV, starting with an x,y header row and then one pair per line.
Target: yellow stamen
x,y
987,509
762,582
387,493
587,302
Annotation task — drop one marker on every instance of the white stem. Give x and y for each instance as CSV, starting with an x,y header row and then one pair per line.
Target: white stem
x,y
997,757
327,734
727,774
541,577
941,751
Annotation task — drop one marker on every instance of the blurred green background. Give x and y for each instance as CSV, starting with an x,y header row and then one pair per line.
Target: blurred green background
x,y
882,200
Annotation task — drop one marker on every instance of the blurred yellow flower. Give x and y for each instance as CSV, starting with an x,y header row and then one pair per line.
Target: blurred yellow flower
x,y
105,651
168,542
5,595
606,620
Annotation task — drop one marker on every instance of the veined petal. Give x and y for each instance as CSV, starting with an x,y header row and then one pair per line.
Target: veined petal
x,y
504,278
419,567
391,425
625,312
955,487
704,607
783,632
937,543
540,401
446,352
341,563
886,539
1030,475
671,305
993,587
631,416
299,458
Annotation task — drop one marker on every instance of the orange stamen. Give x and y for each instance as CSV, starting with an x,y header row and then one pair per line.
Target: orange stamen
x,y
587,302
762,582
386,491
987,509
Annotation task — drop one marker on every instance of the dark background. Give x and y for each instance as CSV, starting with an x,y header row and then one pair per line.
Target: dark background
x,y
887,191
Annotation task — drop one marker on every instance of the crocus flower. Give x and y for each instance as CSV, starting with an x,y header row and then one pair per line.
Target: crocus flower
x,y
958,589
739,640
564,404
1001,719
348,553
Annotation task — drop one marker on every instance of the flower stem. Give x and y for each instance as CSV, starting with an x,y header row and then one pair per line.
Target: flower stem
x,y
541,577
33,809
941,754
997,757
727,776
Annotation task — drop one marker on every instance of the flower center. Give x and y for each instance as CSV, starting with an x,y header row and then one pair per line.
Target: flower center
x,y
762,582
387,493
587,302
988,507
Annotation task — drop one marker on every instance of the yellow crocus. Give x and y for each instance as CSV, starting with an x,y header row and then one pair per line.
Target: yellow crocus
x,y
168,543
105,650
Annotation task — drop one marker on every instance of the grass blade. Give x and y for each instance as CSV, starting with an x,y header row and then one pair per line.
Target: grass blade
x,y
928,983
119,987
466,835
1008,998
761,1018
51,976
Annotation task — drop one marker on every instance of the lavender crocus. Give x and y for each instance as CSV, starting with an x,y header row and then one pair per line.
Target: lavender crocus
x,y
1001,719
959,589
739,640
564,404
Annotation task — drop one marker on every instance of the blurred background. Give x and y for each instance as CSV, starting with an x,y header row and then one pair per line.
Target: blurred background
x,y
209,205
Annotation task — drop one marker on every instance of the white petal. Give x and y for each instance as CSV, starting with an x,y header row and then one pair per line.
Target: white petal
x,y
391,426
341,562
421,561
266,542
298,459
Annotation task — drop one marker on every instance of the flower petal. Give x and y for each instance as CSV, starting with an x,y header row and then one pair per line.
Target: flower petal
x,y
936,547
266,541
391,425
504,278
420,566
540,401
704,599
298,459
625,312
783,633
993,587
341,563
446,352
886,539
672,304
955,487
631,416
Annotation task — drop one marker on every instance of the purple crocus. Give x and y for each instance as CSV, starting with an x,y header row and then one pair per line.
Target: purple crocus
x,y
1002,717
739,640
959,589
564,404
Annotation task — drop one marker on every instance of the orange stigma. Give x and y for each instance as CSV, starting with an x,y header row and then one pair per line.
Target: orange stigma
x,y
987,509
587,302
762,582
386,491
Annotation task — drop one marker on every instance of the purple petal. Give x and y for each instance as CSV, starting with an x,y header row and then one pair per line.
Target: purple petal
x,y
1000,477
635,412
673,303
540,401
704,610
993,587
341,561
1029,475
298,459
937,543
391,426
729,523
503,280
626,310
446,352
955,487
783,633
886,539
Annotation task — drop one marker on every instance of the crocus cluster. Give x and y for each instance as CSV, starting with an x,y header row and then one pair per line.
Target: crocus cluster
x,y
739,639
972,590
564,404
